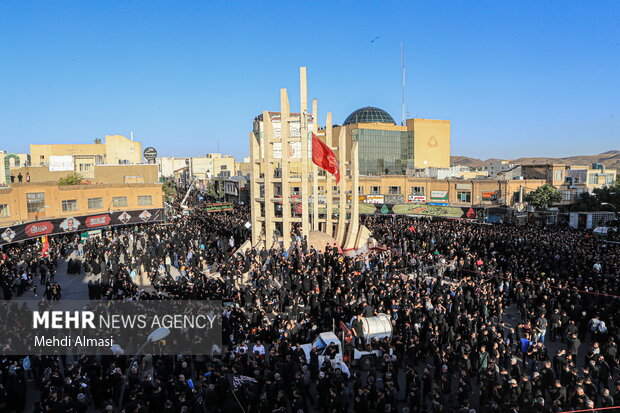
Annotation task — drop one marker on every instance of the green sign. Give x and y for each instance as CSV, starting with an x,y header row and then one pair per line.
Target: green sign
x,y
219,207
430,210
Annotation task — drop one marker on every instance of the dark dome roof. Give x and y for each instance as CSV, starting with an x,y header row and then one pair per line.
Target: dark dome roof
x,y
369,114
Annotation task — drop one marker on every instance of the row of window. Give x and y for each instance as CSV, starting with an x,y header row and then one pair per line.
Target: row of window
x,y
593,178
391,190
35,202
69,205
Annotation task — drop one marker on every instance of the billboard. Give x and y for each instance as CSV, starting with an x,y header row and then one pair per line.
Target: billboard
x,y
394,199
36,229
360,198
375,199
489,196
417,198
150,154
439,195
61,163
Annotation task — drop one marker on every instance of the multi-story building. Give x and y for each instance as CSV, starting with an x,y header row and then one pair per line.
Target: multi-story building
x,y
458,171
395,189
82,158
571,180
244,167
8,161
99,174
386,148
211,165
25,202
496,166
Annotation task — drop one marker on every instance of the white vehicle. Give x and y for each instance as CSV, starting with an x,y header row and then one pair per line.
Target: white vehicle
x,y
377,327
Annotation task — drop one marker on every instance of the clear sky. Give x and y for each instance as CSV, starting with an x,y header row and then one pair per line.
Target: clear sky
x,y
516,78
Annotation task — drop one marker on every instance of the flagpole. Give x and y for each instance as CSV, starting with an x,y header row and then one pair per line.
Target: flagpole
x,y
238,402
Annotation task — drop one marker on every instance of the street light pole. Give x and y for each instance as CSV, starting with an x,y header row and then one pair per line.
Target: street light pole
x,y
154,337
36,217
613,206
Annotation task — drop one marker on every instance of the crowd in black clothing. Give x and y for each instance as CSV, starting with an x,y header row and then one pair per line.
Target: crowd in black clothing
x,y
475,309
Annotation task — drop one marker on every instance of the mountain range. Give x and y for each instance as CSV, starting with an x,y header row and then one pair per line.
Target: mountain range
x,y
611,159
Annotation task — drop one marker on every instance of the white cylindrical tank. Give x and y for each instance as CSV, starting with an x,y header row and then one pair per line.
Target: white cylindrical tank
x,y
377,327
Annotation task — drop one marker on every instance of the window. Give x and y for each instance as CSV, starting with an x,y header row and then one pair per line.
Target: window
x,y
94,203
417,190
145,200
69,205
295,190
86,167
119,201
394,190
360,190
35,201
335,190
610,179
558,175
463,196
4,210
375,190
223,167
384,152
593,179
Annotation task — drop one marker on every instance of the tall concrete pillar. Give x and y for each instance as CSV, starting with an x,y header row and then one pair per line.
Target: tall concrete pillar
x,y
342,204
257,224
285,116
355,207
303,113
269,169
329,180
315,177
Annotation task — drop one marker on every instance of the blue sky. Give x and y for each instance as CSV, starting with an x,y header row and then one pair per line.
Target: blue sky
x,y
522,78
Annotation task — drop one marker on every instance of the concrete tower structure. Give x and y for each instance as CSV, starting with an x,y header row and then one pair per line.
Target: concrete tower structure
x,y
287,188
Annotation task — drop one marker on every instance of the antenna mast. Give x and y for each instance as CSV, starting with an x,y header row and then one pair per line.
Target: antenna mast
x,y
402,66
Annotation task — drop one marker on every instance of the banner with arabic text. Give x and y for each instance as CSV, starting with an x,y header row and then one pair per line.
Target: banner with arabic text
x,y
43,227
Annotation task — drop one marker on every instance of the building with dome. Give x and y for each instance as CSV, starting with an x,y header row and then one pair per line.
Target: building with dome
x,y
386,148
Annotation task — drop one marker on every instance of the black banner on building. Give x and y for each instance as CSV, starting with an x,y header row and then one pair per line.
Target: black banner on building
x,y
64,225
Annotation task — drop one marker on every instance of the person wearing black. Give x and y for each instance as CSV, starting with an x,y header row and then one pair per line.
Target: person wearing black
x,y
357,326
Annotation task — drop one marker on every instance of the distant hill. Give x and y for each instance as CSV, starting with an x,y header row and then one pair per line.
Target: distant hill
x,y
611,159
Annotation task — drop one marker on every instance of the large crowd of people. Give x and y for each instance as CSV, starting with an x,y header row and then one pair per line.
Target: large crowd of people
x,y
489,318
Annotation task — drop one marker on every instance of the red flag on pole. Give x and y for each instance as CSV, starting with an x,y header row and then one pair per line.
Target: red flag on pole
x,y
46,246
324,157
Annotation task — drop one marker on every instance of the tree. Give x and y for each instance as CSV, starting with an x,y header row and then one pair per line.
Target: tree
x,y
544,196
609,195
215,193
586,202
71,179
169,189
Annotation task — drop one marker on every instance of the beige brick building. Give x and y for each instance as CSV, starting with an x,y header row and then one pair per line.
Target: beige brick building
x,y
99,174
21,203
457,192
116,149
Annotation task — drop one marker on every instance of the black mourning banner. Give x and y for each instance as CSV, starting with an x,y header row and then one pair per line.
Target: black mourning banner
x,y
40,228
